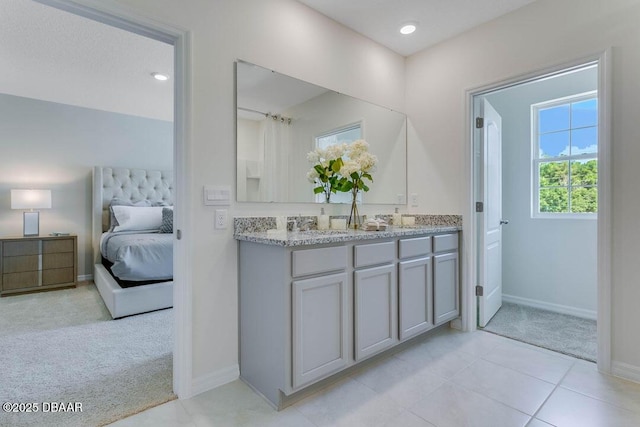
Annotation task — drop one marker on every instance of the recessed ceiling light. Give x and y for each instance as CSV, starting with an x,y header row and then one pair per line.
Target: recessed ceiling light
x,y
160,76
408,28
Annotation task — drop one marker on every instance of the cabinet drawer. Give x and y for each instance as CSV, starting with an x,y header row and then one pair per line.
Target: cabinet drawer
x,y
415,247
60,260
30,247
313,261
19,280
375,253
55,246
445,242
57,276
18,264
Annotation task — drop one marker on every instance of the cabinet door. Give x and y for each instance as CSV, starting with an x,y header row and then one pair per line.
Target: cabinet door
x,y
446,305
415,293
320,327
375,299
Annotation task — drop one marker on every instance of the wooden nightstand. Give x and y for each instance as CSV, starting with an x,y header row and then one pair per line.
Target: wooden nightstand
x,y
37,263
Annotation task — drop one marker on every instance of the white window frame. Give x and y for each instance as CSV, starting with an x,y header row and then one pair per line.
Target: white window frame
x,y
319,198
536,160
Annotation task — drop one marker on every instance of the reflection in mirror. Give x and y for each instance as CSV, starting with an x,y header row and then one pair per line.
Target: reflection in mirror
x,y
280,119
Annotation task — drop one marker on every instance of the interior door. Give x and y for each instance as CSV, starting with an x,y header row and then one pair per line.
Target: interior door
x,y
490,221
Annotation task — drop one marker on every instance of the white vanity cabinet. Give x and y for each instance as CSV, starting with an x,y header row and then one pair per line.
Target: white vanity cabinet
x,y
446,271
320,327
375,298
415,285
310,311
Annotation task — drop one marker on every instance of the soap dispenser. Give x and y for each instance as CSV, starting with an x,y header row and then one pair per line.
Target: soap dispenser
x,y
397,218
323,220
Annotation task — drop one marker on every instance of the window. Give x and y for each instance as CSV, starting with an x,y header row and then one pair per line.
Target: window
x,y
346,134
565,157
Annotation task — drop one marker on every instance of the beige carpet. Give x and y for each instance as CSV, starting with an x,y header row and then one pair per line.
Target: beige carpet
x,y
554,331
62,346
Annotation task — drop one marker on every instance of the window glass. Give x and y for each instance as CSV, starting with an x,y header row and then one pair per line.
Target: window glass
x,y
565,156
554,119
554,144
584,200
554,174
584,172
554,200
584,140
584,113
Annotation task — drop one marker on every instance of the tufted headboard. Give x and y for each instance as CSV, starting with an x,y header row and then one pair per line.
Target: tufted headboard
x,y
128,184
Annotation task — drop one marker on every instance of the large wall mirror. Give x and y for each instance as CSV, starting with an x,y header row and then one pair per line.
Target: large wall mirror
x,y
280,119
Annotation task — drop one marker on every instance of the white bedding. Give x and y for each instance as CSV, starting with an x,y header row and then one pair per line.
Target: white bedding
x,y
139,256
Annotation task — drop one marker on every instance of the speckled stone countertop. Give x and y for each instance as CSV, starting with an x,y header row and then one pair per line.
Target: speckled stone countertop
x,y
247,229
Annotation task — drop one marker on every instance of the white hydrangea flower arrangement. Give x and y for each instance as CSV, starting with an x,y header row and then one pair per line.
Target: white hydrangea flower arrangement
x,y
332,173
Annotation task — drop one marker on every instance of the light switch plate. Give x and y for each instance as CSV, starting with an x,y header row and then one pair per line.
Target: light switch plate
x,y
217,195
414,200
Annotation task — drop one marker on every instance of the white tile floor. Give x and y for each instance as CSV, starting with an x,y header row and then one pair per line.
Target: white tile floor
x,y
450,379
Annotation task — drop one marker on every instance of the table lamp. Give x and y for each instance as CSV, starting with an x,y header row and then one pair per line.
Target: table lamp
x,y
31,199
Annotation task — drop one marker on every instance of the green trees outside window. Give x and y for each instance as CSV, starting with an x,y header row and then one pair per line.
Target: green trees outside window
x,y
565,155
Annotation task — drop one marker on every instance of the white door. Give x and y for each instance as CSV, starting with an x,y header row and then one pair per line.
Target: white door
x,y
490,221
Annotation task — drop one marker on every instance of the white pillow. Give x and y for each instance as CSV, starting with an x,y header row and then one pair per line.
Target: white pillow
x,y
135,218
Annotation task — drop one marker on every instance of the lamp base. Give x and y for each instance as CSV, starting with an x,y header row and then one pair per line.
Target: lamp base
x,y
31,221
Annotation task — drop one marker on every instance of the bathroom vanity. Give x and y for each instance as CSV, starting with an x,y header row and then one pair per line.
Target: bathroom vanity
x,y
315,303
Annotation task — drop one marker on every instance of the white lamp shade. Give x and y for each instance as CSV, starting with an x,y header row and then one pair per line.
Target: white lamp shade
x,y
30,199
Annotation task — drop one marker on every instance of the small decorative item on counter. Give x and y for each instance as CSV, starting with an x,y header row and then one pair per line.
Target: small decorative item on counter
x,y
338,224
374,224
281,223
408,221
323,220
397,218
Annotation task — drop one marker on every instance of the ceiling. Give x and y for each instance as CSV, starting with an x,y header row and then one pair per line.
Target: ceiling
x,y
380,20
52,55
56,56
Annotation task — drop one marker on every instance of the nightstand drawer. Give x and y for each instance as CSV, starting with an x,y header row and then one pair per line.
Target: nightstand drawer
x,y
18,264
56,246
19,280
58,260
57,276
30,247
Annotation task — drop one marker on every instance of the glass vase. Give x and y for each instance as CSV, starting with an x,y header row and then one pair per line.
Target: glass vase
x,y
354,217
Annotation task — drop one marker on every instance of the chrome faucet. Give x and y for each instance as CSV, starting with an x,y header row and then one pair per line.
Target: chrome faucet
x,y
305,224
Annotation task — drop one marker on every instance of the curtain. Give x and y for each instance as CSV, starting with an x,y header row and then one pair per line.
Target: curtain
x,y
274,184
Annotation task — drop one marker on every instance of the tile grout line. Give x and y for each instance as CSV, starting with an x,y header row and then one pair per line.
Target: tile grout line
x,y
553,391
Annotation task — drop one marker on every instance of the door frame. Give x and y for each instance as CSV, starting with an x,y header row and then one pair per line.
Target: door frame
x,y
470,237
180,39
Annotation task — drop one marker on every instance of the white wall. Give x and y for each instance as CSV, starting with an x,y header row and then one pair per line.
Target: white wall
x,y
55,146
544,261
544,33
281,35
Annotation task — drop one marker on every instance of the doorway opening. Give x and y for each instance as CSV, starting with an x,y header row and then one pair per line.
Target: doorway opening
x,y
180,363
540,174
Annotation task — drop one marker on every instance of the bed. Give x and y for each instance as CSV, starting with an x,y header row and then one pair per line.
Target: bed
x,y
133,270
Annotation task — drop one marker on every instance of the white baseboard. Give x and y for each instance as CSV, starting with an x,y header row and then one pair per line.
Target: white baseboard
x,y
215,379
625,371
558,308
85,277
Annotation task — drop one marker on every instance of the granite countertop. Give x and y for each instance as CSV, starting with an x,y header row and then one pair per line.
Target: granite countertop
x,y
314,237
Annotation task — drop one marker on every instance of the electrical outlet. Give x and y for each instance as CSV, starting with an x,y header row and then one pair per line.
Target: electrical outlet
x,y
414,200
221,219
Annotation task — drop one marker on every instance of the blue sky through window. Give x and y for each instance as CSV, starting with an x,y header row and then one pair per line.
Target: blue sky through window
x,y
568,129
